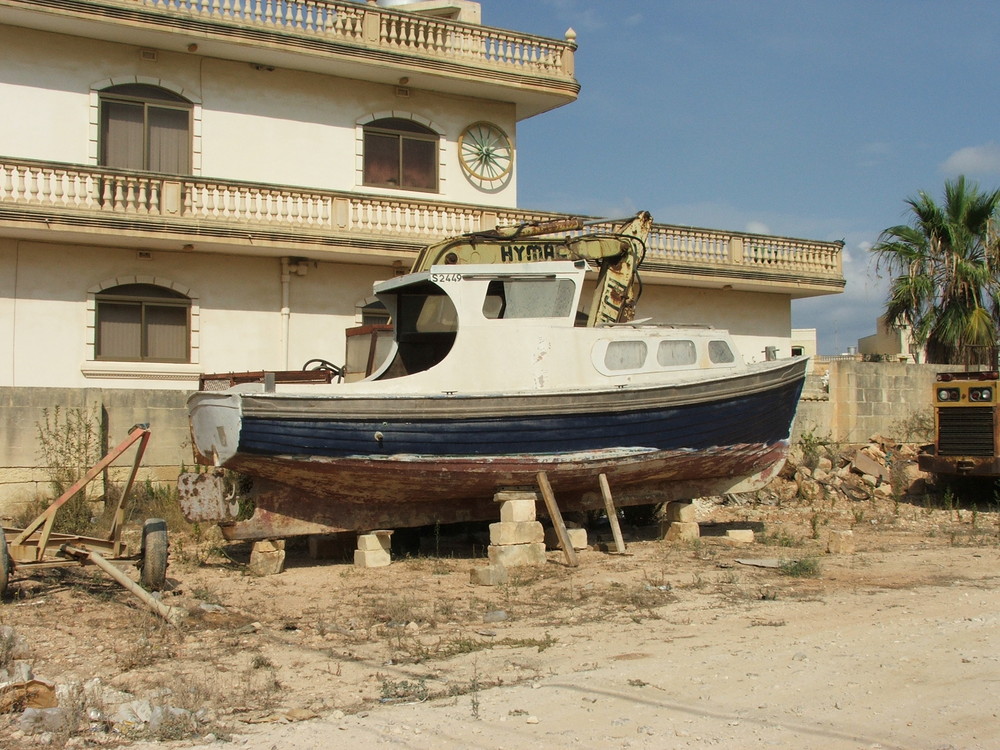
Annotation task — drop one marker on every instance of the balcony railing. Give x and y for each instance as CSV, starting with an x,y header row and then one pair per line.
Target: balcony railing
x,y
356,24
304,215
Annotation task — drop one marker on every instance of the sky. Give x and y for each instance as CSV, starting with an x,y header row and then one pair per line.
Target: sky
x,y
797,118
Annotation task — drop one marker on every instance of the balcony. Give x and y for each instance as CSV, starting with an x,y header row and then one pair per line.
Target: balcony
x,y
331,37
72,204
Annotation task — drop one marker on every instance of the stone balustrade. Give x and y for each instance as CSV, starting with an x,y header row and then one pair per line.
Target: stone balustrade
x,y
89,193
382,28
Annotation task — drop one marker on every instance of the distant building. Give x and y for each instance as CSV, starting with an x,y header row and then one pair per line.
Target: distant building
x,y
890,343
803,344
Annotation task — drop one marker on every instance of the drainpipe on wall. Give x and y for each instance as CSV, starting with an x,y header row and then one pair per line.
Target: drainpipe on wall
x,y
298,266
286,281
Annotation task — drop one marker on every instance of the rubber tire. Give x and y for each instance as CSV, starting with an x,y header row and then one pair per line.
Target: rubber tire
x,y
153,573
4,565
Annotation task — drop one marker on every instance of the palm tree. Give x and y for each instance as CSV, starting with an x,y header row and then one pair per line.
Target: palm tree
x,y
945,267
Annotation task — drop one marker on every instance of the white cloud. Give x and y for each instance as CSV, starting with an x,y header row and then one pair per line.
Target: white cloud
x,y
974,160
758,227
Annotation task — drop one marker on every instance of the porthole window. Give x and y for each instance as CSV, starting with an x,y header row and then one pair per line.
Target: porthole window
x,y
720,353
625,355
676,353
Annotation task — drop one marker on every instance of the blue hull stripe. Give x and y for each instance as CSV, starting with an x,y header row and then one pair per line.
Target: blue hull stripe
x,y
757,418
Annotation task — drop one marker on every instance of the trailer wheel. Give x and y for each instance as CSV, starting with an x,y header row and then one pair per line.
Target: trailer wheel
x,y
4,565
154,554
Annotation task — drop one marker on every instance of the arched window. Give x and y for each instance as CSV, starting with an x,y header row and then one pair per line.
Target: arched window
x,y
143,323
146,128
400,154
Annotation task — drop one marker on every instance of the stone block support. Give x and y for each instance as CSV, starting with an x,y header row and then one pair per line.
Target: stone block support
x,y
517,555
516,532
681,531
267,558
680,510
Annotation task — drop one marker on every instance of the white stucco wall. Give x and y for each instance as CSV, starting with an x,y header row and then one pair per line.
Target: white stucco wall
x,y
282,127
8,282
755,320
48,317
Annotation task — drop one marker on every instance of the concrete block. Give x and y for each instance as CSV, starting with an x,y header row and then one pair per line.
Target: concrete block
x,y
681,531
519,510
374,542
680,510
488,575
840,542
577,538
517,555
371,558
267,558
740,536
509,532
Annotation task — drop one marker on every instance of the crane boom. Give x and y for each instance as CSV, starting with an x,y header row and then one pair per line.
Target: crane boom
x,y
617,254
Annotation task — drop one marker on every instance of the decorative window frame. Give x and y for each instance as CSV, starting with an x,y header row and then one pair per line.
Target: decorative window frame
x,y
94,145
359,148
186,371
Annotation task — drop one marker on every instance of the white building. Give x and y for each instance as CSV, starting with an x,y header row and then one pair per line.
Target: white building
x,y
210,187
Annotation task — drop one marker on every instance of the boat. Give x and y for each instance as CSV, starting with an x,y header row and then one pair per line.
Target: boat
x,y
494,376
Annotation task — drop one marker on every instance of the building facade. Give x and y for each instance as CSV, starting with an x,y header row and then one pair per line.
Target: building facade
x,y
192,187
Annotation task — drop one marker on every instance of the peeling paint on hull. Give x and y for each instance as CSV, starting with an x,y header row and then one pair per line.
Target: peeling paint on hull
x,y
295,497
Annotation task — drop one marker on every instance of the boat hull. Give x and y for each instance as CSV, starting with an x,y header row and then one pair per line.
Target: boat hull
x,y
333,463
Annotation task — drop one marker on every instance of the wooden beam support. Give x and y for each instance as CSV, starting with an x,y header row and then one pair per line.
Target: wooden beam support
x,y
609,507
557,520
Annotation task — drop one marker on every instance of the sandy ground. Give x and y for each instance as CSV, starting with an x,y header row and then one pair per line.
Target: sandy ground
x,y
673,645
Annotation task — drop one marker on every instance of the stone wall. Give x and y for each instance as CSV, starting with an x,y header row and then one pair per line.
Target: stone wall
x,y
23,413
867,398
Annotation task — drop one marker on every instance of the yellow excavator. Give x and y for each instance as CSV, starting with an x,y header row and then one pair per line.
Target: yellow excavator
x,y
617,254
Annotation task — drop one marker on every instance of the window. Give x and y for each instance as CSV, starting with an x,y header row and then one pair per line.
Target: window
x,y
523,298
143,323
625,355
672,353
400,154
720,353
146,128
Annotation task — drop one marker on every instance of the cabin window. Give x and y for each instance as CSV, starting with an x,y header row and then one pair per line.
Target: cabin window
x,y
798,351
676,353
625,355
143,323
426,323
145,128
400,153
529,298
720,353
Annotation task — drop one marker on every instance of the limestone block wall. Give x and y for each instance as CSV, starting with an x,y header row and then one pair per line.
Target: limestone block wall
x,y
23,413
865,398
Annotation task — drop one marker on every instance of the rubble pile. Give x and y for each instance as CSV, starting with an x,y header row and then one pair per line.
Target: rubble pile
x,y
49,710
882,468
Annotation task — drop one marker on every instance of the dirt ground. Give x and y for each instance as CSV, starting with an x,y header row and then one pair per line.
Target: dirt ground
x,y
680,644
